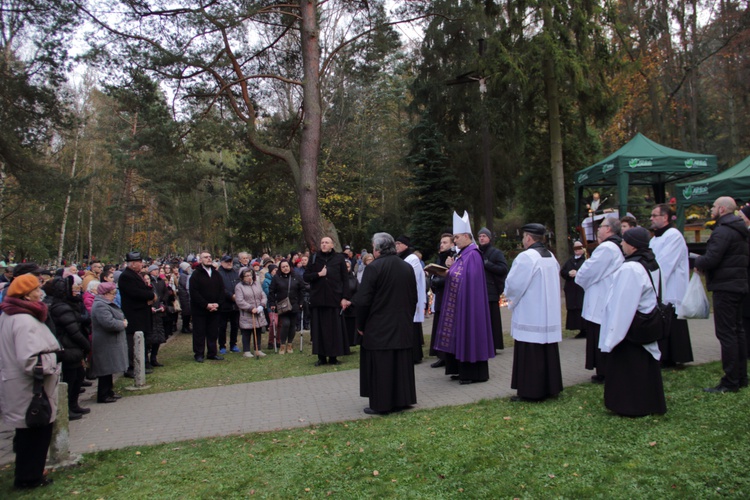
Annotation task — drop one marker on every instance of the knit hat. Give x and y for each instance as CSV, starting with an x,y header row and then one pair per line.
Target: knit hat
x,y
485,232
271,267
23,285
637,237
184,266
153,267
105,288
404,239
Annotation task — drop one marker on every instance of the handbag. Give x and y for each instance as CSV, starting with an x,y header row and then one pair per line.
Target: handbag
x,y
39,412
285,305
653,326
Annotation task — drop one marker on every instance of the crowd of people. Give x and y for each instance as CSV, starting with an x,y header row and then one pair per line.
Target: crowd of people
x,y
80,325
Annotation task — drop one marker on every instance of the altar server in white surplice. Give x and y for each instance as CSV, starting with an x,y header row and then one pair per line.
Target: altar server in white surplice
x,y
533,292
671,253
633,386
595,277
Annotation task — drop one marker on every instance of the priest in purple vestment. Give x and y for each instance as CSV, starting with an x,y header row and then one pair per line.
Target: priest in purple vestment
x,y
464,331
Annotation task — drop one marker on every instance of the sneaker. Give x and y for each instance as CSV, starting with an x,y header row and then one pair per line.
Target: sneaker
x,y
260,354
235,349
223,350
248,354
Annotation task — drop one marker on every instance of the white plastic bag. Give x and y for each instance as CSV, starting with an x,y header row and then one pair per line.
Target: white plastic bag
x,y
694,303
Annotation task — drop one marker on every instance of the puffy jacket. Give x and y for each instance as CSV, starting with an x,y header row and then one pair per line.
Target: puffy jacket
x,y
726,259
66,315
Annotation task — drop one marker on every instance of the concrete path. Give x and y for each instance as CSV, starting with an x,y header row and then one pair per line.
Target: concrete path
x,y
300,401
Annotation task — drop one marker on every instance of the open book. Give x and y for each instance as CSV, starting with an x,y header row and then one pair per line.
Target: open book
x,y
436,269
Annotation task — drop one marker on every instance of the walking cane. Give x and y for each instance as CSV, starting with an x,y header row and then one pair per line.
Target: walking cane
x,y
275,323
255,335
302,324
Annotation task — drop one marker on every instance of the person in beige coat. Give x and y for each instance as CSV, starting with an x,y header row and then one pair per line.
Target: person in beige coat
x,y
23,336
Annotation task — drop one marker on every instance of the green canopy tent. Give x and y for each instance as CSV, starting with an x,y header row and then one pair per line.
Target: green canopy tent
x,y
734,182
641,162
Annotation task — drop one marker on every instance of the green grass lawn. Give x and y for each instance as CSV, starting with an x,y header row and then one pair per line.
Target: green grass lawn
x,y
570,447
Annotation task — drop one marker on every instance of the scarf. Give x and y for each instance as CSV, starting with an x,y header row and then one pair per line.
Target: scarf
x,y
13,305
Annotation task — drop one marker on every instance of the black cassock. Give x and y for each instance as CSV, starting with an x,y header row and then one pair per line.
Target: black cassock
x,y
573,294
385,304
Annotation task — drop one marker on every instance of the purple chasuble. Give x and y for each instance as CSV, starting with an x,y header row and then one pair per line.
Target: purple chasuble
x,y
465,329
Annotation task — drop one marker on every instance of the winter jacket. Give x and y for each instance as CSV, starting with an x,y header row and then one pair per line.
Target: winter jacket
x,y
726,259
281,287
110,346
249,297
65,312
230,277
22,337
495,271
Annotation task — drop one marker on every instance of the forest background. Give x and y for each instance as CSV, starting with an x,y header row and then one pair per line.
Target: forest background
x,y
261,125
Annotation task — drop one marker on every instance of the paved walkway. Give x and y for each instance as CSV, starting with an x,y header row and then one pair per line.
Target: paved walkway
x,y
300,401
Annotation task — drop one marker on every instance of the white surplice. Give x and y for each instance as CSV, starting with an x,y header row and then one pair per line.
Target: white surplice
x,y
631,291
595,277
533,292
671,253
413,261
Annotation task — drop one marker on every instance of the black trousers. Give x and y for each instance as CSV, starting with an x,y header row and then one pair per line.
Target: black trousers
x,y
73,376
287,327
30,446
104,388
205,334
233,317
731,335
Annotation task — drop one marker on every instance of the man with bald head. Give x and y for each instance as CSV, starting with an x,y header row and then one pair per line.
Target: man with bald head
x,y
329,296
725,265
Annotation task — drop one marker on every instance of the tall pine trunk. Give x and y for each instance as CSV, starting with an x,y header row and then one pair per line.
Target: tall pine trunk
x,y
307,187
555,144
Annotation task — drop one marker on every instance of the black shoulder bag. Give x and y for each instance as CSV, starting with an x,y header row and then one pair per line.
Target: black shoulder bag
x,y
651,327
39,412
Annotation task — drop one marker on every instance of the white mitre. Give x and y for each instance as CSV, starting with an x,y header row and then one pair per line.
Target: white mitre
x,y
461,224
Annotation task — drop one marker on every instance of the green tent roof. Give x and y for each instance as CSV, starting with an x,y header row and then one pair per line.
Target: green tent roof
x,y
734,182
645,162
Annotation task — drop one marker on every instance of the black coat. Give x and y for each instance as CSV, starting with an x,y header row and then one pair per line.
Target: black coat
x,y
328,290
726,259
67,318
573,292
230,278
437,283
183,294
281,287
495,271
385,304
135,295
204,290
